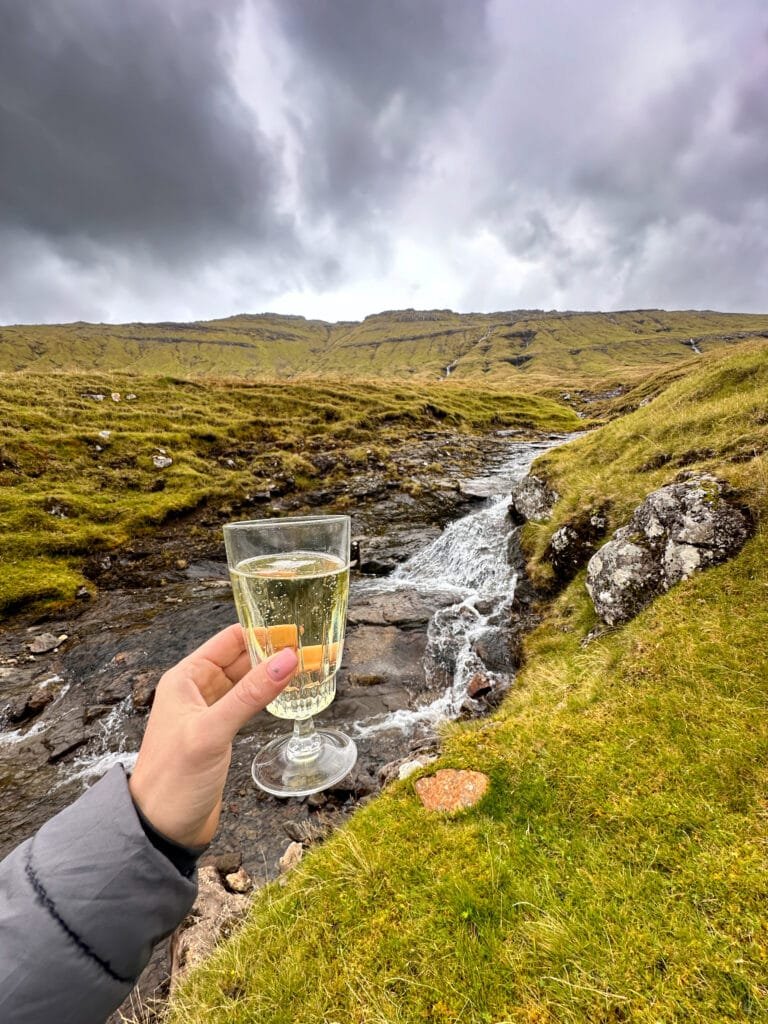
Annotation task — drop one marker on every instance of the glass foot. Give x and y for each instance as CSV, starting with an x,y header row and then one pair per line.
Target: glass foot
x,y
322,766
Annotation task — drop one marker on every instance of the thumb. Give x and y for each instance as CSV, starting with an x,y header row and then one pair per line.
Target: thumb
x,y
251,694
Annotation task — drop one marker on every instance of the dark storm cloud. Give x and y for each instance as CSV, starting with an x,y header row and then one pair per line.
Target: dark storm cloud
x,y
375,77
119,125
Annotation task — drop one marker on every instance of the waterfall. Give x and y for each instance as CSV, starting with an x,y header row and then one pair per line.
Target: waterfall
x,y
470,561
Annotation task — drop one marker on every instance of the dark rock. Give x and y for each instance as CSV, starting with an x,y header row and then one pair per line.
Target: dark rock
x,y
65,738
93,711
29,705
677,531
384,654
324,462
225,862
114,689
574,543
499,649
316,800
532,499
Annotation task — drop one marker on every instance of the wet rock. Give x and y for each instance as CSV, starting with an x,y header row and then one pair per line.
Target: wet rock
x,y
380,555
64,738
404,608
93,711
29,706
479,686
114,689
293,854
374,655
677,531
499,649
531,499
238,881
215,913
574,543
143,689
451,790
46,642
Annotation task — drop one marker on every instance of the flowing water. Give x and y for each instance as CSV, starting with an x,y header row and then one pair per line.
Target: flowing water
x,y
469,560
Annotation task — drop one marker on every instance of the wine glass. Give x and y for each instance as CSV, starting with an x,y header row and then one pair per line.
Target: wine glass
x,y
290,579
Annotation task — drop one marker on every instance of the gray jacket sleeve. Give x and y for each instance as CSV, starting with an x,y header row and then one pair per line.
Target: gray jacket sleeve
x,y
82,903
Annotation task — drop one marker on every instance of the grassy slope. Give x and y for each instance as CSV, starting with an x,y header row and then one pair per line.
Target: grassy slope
x,y
616,869
50,463
525,348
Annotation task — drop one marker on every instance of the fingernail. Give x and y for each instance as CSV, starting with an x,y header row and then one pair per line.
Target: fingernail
x,y
281,665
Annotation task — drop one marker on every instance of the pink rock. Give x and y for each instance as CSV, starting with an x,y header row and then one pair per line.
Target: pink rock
x,y
452,789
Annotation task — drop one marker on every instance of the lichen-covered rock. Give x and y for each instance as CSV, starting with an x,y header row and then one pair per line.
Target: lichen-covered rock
x,y
531,498
677,530
571,546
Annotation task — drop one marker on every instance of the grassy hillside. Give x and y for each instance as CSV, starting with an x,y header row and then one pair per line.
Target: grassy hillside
x,y
528,349
77,475
616,869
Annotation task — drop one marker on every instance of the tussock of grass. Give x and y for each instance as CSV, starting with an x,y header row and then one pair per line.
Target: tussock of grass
x,y
67,493
616,869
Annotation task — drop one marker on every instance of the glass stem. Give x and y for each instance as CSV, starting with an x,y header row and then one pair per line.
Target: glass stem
x,y
305,743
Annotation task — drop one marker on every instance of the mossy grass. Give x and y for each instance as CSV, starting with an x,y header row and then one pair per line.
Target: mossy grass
x,y
616,869
77,475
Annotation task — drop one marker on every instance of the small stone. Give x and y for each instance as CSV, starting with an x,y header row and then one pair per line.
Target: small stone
x,y
293,830
143,689
83,594
316,800
46,642
105,434
452,789
181,563
130,398
162,461
115,396
479,685
238,881
291,857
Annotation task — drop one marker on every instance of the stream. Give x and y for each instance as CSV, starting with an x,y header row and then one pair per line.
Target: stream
x,y
418,639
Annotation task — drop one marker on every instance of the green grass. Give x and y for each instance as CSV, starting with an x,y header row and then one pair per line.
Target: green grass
x,y
527,349
616,869
66,493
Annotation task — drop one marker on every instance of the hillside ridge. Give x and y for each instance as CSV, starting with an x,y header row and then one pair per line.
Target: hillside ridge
x,y
533,349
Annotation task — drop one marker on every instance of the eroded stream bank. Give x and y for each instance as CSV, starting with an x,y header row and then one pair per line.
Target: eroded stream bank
x,y
417,639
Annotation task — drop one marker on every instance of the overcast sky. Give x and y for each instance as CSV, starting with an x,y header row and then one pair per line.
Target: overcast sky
x,y
186,159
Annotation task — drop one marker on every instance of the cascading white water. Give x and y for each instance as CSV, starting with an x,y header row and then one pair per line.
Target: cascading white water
x,y
469,559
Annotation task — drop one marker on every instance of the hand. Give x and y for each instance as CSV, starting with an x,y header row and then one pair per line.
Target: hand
x,y
199,706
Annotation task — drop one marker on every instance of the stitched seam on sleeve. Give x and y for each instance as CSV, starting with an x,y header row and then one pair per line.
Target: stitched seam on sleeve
x,y
50,906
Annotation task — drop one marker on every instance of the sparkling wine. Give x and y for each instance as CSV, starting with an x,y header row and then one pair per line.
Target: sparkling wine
x,y
295,599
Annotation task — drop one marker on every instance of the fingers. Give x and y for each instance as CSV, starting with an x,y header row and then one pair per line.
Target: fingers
x,y
251,694
224,648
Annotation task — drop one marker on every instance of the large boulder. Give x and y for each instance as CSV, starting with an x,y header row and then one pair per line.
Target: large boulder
x,y
679,529
531,498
